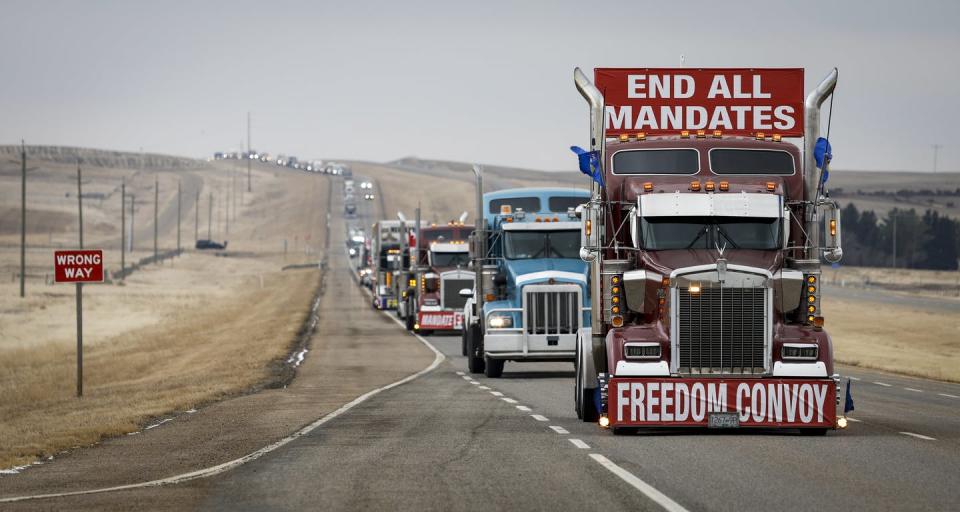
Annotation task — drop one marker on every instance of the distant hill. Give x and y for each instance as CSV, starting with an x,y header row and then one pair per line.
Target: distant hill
x,y
447,168
97,157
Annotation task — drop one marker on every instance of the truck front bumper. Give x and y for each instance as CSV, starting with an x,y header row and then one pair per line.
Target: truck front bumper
x,y
519,346
720,402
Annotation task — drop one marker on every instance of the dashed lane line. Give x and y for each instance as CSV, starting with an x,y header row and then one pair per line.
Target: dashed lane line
x,y
508,400
459,373
884,384
475,383
467,377
539,417
558,429
851,378
948,395
648,490
496,393
523,408
579,444
915,390
483,387
919,436
854,420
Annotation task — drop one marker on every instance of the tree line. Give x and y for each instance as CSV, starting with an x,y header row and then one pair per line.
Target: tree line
x,y
902,238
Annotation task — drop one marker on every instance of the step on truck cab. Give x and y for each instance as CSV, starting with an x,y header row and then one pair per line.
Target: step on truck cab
x,y
531,298
442,270
704,233
388,260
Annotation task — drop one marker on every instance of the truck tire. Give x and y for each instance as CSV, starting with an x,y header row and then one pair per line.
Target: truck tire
x,y
583,396
494,368
475,362
410,322
463,343
813,432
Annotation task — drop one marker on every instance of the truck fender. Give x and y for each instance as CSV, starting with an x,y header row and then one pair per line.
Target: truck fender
x,y
585,355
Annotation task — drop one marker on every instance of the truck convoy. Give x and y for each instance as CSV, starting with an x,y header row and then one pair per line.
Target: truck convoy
x,y
530,296
704,238
433,301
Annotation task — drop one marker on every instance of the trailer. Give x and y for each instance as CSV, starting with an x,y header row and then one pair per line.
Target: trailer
x,y
388,259
704,232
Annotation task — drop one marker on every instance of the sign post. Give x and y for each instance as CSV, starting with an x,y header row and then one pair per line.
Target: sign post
x,y
84,266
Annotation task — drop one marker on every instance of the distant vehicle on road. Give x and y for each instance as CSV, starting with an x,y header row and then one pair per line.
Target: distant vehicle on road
x,y
369,197
210,244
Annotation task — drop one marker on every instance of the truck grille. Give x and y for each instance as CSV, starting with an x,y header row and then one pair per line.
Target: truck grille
x,y
451,292
552,309
721,330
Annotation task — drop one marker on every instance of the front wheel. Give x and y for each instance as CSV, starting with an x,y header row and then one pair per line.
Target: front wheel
x,y
813,432
583,396
475,361
463,343
410,323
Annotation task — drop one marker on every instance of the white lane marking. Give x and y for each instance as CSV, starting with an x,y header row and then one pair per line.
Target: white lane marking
x,y
854,420
579,444
648,490
483,387
226,466
948,395
915,390
467,377
559,429
884,384
508,400
496,393
851,378
475,383
524,408
918,436
459,373
539,417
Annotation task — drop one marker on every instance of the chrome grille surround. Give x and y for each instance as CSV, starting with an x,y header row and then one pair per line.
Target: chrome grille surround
x,y
450,285
551,309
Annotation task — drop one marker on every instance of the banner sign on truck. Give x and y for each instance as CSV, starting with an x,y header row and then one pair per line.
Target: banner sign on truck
x,y
736,101
747,402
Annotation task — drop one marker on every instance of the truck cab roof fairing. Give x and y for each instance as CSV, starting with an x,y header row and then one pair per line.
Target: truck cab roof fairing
x,y
544,195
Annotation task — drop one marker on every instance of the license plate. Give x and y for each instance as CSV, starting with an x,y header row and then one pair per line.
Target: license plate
x,y
723,420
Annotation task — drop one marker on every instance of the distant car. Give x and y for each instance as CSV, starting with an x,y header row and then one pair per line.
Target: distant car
x,y
210,244
218,156
366,185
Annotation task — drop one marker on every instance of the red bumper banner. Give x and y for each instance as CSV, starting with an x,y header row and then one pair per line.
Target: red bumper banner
x,y
716,402
440,320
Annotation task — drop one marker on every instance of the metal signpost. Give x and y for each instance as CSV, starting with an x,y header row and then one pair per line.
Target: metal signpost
x,y
84,266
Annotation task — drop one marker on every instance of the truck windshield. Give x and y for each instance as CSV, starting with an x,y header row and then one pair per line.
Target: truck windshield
x,y
450,259
664,233
525,245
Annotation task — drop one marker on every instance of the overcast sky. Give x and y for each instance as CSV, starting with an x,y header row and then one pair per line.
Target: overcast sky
x,y
472,81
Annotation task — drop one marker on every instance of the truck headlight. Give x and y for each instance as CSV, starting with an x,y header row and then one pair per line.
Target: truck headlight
x,y
501,321
799,351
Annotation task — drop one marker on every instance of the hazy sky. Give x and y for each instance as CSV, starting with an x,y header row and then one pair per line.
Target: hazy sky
x,y
473,81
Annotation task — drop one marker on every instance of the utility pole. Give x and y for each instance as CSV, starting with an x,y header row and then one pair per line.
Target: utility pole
x,y
123,227
895,215
226,207
196,219
209,215
80,291
156,206
133,218
178,216
936,149
23,218
248,153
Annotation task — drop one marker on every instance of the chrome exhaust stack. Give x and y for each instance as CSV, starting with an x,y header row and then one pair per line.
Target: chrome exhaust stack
x,y
811,177
597,143
480,244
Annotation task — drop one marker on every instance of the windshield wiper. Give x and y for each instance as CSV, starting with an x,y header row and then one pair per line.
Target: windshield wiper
x,y
698,237
727,236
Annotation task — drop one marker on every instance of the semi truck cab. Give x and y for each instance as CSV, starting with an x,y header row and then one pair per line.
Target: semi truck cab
x,y
532,297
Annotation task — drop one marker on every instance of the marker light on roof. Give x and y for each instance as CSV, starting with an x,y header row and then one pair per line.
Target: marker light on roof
x,y
760,136
684,134
717,134
710,186
624,137
777,137
724,186
695,186
771,186
641,136
648,186
701,134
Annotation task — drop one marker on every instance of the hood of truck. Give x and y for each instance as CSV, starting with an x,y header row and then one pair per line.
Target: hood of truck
x,y
667,261
537,271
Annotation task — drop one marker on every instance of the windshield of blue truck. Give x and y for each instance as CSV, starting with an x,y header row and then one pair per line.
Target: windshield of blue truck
x,y
526,245
665,233
450,259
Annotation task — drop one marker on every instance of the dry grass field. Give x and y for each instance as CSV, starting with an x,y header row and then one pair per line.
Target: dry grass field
x,y
171,336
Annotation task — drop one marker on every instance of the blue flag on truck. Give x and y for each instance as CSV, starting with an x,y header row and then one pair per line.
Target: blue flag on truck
x,y
589,163
823,153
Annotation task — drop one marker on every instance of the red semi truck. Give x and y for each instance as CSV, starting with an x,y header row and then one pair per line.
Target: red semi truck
x,y
705,233
442,258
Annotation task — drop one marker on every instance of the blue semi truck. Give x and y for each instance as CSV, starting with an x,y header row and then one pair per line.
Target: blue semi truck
x,y
530,298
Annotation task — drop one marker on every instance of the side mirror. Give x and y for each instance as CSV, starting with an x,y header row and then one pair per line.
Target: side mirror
x,y
832,250
634,219
589,238
787,219
466,293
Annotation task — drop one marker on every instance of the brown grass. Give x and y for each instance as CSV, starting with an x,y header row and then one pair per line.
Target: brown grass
x,y
894,338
